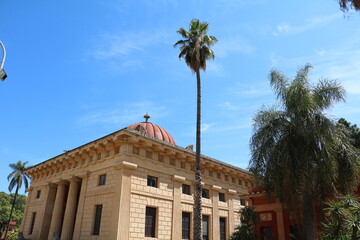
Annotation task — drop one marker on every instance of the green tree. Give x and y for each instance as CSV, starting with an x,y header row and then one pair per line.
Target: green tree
x,y
16,178
195,48
5,206
298,153
246,230
345,5
354,131
342,219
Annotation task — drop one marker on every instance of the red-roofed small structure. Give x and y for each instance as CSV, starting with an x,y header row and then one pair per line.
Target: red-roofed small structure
x,y
153,130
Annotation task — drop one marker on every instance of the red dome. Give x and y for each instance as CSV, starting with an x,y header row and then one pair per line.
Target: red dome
x,y
153,130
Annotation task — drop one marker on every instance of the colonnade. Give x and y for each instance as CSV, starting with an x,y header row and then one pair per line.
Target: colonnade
x,y
63,216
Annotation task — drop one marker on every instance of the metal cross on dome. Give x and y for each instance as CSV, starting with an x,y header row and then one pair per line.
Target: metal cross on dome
x,y
146,116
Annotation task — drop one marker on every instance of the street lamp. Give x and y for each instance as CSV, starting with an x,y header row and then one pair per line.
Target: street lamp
x,y
3,75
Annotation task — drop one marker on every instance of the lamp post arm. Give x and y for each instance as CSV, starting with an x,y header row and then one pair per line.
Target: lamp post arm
x,y
4,55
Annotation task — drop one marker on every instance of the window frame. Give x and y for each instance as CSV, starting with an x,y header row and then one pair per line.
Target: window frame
x,y
222,197
38,194
97,220
32,225
186,189
150,228
152,181
205,193
222,220
185,229
207,237
102,180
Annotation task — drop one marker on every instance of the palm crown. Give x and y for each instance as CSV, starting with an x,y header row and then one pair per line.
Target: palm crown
x,y
18,175
195,47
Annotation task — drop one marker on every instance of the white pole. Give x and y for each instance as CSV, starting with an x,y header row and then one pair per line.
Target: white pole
x,y
4,56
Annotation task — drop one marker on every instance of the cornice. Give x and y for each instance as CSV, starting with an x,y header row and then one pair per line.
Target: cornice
x,y
125,141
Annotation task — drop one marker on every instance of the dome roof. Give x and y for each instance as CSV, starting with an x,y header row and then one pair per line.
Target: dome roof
x,y
153,130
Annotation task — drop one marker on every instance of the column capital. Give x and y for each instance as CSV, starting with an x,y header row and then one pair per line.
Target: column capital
x,y
231,191
60,181
216,188
52,185
178,178
73,179
129,165
84,175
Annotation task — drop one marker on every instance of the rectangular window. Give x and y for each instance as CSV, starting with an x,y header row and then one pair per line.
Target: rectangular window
x,y
38,193
102,179
222,228
185,225
152,181
205,193
205,227
186,189
242,202
150,222
221,197
172,162
97,221
32,223
266,233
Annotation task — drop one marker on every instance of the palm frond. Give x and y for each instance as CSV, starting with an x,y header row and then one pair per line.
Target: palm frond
x,y
18,176
183,33
12,184
328,92
278,82
195,47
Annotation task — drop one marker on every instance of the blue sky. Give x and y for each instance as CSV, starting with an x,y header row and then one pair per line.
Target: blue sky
x,y
79,70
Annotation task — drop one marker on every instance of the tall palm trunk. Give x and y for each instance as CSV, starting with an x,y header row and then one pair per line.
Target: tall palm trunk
x,y
197,185
309,217
11,211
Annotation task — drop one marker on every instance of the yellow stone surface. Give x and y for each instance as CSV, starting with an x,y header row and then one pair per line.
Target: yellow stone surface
x,y
70,190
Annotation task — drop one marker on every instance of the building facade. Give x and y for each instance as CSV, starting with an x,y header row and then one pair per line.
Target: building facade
x,y
275,222
135,183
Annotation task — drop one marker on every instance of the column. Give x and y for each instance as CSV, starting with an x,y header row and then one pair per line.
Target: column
x,y
123,216
80,210
49,201
215,213
231,210
56,220
176,233
22,226
70,210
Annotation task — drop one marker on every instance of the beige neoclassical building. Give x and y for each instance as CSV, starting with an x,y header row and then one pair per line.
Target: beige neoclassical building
x,y
135,183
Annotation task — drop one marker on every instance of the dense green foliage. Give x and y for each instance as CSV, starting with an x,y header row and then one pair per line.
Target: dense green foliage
x,y
298,153
246,230
354,132
5,206
195,48
342,219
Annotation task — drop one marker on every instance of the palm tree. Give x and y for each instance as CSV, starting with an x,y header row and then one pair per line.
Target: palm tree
x,y
345,5
17,176
195,48
342,218
297,152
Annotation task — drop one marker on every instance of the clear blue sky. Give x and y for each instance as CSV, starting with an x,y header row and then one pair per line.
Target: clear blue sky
x,y
78,70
